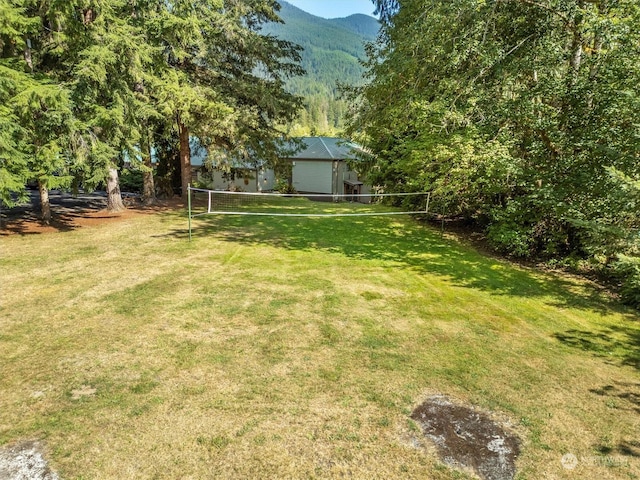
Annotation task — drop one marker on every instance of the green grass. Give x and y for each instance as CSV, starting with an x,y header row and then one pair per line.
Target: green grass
x,y
298,347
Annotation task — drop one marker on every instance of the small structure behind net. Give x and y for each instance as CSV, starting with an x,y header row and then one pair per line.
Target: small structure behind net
x,y
214,202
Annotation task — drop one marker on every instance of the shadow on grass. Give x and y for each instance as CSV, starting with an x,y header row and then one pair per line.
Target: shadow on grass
x,y
619,343
65,210
29,223
407,243
622,396
626,395
627,448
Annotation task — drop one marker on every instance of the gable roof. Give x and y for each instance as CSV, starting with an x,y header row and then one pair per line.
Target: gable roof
x,y
325,148
313,148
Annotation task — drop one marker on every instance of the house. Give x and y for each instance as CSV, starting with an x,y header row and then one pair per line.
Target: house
x,y
321,166
244,177
241,176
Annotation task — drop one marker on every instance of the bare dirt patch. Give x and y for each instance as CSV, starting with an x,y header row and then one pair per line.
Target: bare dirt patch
x,y
25,461
467,438
84,391
71,212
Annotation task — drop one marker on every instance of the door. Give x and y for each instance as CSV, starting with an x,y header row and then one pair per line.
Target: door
x,y
311,176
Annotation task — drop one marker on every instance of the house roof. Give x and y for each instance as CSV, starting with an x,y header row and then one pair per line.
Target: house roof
x,y
314,148
325,148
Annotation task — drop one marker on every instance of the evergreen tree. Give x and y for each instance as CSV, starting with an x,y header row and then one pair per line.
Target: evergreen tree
x,y
13,167
37,108
13,161
223,82
86,82
111,59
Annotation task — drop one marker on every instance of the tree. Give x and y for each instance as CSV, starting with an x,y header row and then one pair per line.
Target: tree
x,y
224,79
36,145
44,113
514,112
89,82
13,168
13,161
111,61
74,68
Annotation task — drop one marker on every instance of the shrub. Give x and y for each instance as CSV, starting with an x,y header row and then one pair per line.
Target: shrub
x,y
627,269
284,187
131,180
510,238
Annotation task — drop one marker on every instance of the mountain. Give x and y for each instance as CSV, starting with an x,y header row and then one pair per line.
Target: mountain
x,y
333,49
364,25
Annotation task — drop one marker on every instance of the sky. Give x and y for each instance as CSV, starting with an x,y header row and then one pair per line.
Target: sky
x,y
334,8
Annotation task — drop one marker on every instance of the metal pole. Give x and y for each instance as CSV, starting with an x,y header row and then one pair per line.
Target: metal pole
x,y
189,207
426,210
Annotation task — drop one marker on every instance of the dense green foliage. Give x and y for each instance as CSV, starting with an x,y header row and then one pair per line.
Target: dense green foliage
x,y
85,85
35,116
521,116
333,53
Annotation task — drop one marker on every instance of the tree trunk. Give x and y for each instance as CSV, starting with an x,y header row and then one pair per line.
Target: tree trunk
x,y
27,54
593,71
87,17
576,48
185,157
114,197
45,206
576,57
148,185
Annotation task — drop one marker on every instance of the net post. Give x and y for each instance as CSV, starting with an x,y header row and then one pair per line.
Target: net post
x,y
426,209
189,208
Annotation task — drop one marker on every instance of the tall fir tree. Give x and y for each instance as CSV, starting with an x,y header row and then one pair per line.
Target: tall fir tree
x,y
224,80
36,146
109,71
111,59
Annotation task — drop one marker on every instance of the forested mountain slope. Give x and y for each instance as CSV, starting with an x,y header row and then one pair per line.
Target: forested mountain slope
x,y
332,52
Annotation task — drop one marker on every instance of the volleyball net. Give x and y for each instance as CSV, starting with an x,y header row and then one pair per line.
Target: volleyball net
x,y
218,202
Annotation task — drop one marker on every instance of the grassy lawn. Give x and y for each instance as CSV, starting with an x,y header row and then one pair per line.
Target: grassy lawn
x,y
298,347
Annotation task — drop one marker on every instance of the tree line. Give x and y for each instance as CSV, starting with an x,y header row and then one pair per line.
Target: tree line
x,y
521,116
87,85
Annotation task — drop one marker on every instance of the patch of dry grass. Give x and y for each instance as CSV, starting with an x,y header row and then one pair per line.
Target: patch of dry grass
x,y
297,348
